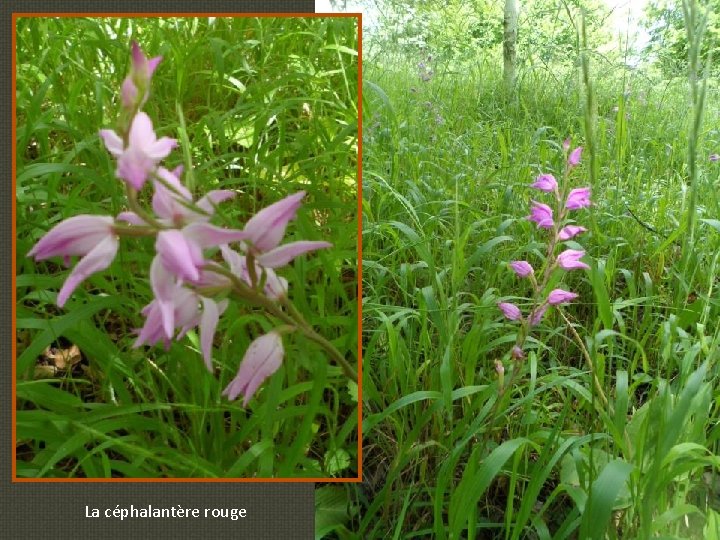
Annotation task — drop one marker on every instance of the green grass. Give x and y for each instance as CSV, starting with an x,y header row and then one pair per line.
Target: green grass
x,y
446,170
264,106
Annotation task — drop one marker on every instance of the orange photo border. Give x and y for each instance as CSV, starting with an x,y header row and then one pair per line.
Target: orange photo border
x,y
356,479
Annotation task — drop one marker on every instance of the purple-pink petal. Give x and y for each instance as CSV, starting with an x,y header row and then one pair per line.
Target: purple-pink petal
x,y
570,260
266,228
511,311
262,358
134,166
522,268
208,323
574,157
130,217
537,314
180,255
142,133
161,148
570,231
206,235
282,255
275,286
545,182
77,235
214,197
141,65
165,289
560,296
128,92
112,141
541,214
578,198
99,258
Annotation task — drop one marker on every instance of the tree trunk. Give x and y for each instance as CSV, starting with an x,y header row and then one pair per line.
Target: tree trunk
x,y
510,26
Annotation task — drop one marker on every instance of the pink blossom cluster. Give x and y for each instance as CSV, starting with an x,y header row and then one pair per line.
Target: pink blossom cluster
x,y
185,281
555,219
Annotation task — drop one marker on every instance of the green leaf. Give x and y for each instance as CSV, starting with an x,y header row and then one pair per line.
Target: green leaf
x,y
603,494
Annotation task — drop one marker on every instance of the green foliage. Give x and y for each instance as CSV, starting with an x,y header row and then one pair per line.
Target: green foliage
x,y
665,24
456,32
447,164
268,106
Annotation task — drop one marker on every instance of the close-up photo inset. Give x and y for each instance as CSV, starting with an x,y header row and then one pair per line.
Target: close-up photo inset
x,y
186,234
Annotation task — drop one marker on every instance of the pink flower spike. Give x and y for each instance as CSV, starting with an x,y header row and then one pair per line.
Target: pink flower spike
x,y
714,157
517,353
578,198
570,260
282,255
545,182
511,311
559,296
262,358
267,228
574,157
522,268
566,144
570,231
541,214
537,315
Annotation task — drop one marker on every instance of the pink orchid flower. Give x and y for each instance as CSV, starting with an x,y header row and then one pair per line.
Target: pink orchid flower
x,y
574,158
578,198
570,260
541,214
91,237
143,153
141,71
545,182
511,311
173,207
522,268
559,296
275,286
181,251
177,307
262,358
570,231
537,314
266,229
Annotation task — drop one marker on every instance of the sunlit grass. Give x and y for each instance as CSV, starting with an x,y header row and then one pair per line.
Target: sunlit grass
x,y
446,169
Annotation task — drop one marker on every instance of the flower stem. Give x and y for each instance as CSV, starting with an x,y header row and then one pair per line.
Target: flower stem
x,y
293,318
589,362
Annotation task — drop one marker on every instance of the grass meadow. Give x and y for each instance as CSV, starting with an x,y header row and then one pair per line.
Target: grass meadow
x,y
262,106
447,165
